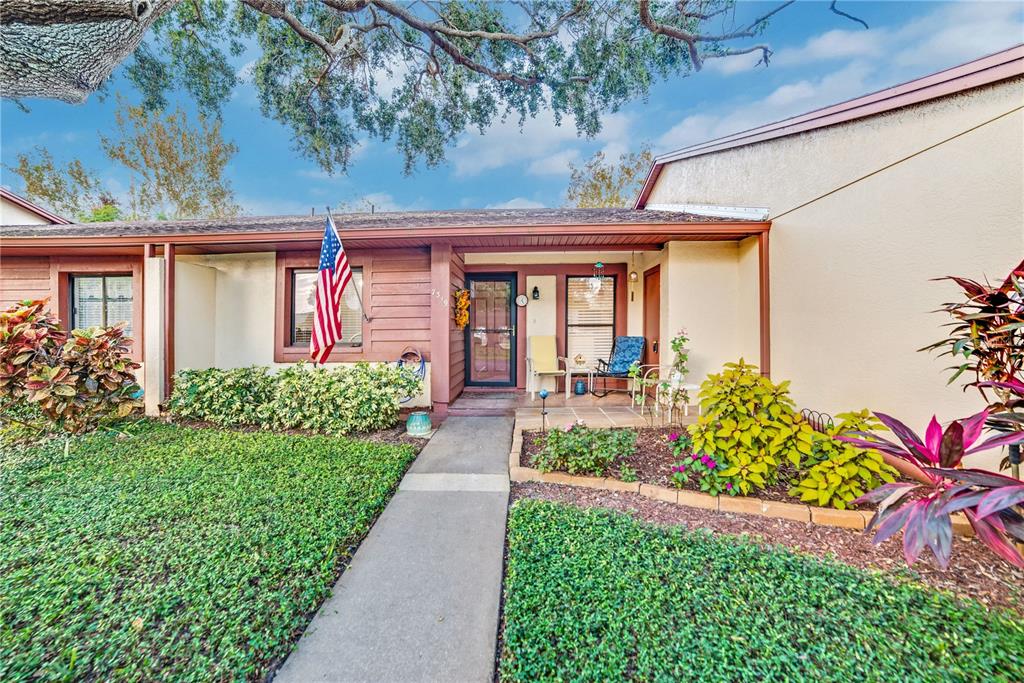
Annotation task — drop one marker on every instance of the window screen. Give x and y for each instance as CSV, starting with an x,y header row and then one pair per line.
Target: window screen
x,y
304,298
590,319
101,300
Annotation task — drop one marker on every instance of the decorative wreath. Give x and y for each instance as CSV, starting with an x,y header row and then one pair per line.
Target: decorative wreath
x,y
461,308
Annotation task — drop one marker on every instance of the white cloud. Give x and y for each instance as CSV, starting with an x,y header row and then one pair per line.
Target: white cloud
x,y
834,44
517,203
959,32
555,164
785,101
875,58
727,66
541,146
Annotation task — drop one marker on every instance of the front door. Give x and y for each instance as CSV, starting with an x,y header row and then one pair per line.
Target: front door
x,y
491,332
652,314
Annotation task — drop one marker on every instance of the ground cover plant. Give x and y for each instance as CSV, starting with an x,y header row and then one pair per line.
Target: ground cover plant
x,y
178,553
579,449
597,595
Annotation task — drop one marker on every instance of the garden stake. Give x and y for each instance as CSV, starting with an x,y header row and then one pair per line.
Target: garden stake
x,y
543,410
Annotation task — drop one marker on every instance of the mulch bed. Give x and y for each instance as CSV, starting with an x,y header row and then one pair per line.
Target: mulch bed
x,y
973,571
395,436
653,462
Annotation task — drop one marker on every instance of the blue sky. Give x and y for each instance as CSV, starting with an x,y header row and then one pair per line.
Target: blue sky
x,y
820,58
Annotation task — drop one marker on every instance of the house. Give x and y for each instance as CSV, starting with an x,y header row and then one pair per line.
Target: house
x,y
806,246
16,210
869,200
238,291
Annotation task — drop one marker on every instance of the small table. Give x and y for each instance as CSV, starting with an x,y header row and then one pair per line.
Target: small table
x,y
579,371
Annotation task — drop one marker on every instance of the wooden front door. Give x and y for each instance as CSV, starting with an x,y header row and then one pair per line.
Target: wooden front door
x,y
652,314
491,332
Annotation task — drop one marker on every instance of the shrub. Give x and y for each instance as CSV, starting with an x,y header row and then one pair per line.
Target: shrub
x,y
991,502
577,449
594,595
749,423
839,472
692,464
339,400
230,398
76,382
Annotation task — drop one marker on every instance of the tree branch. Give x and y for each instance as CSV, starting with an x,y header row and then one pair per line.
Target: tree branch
x,y
848,16
273,8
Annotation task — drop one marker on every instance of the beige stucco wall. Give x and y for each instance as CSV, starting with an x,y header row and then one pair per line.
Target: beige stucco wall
x,y
702,292
241,289
851,289
12,214
195,316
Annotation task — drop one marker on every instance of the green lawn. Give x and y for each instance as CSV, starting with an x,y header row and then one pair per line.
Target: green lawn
x,y
593,595
179,554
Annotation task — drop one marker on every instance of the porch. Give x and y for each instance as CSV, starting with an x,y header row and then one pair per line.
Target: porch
x,y
476,402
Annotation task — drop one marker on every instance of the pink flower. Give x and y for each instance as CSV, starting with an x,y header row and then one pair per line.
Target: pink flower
x,y
728,486
673,437
712,464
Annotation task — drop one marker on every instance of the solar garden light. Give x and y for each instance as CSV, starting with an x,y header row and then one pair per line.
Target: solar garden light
x,y
543,409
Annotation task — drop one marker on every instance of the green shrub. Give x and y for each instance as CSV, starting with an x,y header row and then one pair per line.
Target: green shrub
x,y
340,400
750,423
229,398
594,595
77,381
839,472
178,555
578,449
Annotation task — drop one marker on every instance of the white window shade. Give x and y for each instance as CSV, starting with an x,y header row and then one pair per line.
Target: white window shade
x,y
101,301
590,319
304,299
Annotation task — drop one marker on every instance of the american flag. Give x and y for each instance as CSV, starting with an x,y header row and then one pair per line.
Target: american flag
x,y
333,275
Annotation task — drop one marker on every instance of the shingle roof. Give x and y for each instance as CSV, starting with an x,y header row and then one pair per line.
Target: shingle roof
x,y
395,220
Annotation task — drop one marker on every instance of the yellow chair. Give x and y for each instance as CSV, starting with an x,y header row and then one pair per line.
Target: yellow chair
x,y
542,359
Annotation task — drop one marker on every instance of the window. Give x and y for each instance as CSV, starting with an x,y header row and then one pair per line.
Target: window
x,y
304,298
590,319
101,300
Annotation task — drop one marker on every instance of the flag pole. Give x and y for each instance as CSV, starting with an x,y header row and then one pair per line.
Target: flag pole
x,y
362,309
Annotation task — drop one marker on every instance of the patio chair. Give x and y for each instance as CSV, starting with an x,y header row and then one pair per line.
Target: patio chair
x,y
626,352
542,360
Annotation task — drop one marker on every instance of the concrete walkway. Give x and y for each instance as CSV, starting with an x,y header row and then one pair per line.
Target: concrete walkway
x,y
420,600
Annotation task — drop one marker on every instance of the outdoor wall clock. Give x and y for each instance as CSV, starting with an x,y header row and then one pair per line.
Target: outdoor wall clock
x,y
521,300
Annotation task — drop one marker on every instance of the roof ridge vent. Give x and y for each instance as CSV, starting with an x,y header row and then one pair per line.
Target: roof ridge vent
x,y
750,213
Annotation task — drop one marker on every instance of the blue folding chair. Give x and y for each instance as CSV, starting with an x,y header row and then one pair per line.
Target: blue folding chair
x,y
626,352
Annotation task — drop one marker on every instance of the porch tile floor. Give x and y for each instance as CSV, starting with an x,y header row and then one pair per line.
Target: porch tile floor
x,y
472,402
612,416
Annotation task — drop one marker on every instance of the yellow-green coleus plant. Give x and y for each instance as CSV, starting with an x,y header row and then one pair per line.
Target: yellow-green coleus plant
x,y
842,472
750,423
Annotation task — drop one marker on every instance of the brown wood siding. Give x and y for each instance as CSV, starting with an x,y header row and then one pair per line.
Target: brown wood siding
x,y
24,277
42,277
457,357
396,297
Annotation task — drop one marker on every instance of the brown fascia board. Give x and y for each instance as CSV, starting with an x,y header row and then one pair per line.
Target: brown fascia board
x,y
430,234
993,68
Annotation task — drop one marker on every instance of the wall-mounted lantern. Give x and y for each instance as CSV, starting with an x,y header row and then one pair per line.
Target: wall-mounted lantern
x,y
536,293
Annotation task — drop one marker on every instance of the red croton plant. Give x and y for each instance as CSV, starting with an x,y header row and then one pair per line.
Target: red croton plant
x,y
77,381
923,510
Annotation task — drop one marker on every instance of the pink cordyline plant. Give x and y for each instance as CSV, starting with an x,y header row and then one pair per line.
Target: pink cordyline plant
x,y
922,510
